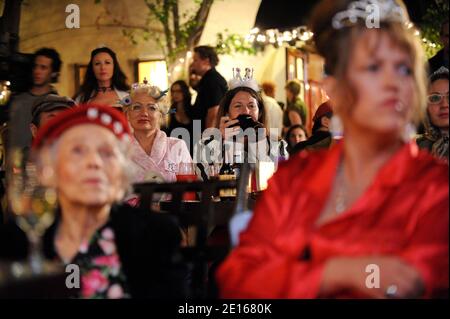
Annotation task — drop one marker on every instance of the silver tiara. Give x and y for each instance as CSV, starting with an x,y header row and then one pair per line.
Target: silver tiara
x,y
245,81
383,10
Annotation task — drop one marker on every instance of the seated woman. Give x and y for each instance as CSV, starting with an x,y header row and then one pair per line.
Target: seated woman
x,y
152,152
435,139
104,82
369,217
121,251
321,135
295,134
242,99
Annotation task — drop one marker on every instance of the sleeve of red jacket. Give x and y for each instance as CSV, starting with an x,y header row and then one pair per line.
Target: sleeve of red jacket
x,y
257,268
428,247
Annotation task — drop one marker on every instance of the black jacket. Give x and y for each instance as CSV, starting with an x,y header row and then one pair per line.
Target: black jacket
x,y
148,247
320,139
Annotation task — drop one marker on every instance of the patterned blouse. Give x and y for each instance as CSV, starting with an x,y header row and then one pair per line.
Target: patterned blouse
x,y
101,272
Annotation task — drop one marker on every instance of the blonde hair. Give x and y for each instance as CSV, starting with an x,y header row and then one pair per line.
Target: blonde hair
x,y
152,91
333,45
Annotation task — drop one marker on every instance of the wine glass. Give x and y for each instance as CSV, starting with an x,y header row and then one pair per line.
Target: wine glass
x,y
33,206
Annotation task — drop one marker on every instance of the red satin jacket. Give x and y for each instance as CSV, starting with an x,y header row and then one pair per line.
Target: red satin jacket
x,y
405,213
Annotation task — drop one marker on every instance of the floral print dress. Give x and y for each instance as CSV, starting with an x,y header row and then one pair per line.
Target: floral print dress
x,y
101,273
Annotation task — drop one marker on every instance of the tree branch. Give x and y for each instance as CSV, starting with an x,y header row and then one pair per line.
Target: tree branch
x,y
176,22
166,20
200,19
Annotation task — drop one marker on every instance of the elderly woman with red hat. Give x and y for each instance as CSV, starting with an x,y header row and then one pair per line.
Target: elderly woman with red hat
x,y
121,251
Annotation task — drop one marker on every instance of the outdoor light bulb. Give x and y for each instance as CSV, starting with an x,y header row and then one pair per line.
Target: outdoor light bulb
x,y
181,60
287,36
8,83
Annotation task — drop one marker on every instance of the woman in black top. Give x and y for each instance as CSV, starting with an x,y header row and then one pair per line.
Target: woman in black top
x,y
179,110
121,252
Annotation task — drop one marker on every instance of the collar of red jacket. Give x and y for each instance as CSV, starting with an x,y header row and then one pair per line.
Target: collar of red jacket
x,y
392,173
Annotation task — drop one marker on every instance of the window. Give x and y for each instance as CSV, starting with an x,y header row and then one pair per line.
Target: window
x,y
80,72
154,70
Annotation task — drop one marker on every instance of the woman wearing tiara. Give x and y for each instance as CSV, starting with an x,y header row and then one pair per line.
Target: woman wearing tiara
x,y
369,217
104,82
242,108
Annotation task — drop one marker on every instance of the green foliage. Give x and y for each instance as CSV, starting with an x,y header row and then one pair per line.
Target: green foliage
x,y
436,13
227,43
161,10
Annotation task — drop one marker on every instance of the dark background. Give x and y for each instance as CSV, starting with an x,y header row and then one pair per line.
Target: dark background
x,y
282,15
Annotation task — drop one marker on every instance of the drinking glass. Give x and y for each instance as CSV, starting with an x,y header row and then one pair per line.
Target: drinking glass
x,y
33,207
186,173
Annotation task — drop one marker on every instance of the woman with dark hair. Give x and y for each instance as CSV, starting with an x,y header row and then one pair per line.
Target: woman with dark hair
x,y
321,136
104,82
369,217
436,138
233,105
295,134
242,108
181,105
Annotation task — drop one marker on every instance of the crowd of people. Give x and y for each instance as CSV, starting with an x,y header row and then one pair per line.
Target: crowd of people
x,y
376,195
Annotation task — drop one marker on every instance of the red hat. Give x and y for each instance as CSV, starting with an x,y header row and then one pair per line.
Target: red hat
x,y
105,116
323,109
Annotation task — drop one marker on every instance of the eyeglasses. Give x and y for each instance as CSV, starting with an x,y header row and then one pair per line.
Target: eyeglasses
x,y
436,98
150,108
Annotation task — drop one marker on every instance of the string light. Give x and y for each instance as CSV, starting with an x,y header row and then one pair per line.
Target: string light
x,y
275,36
302,34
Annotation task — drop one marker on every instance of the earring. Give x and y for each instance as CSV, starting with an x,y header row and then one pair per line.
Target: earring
x,y
409,132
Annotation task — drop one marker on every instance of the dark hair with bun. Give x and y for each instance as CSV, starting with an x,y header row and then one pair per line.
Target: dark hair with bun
x,y
336,46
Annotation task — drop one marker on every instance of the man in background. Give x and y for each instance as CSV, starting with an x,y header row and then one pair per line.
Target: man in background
x,y
46,67
211,88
